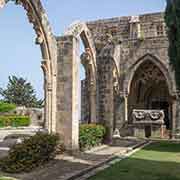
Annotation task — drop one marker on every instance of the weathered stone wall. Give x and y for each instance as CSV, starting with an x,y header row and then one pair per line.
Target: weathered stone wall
x,y
129,41
114,50
36,115
85,103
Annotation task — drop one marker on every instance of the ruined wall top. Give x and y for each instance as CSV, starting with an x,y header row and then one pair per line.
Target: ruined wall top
x,y
128,27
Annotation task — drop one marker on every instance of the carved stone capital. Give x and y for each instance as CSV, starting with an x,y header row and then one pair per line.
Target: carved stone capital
x,y
49,87
44,65
86,57
176,94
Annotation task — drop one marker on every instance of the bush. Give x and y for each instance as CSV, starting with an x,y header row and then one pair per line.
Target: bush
x,y
32,153
14,121
91,135
6,107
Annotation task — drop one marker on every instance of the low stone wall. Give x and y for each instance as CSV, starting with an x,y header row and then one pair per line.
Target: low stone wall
x,y
36,115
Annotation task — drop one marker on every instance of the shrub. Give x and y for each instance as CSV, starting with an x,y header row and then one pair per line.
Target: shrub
x,y
6,107
14,121
31,153
91,135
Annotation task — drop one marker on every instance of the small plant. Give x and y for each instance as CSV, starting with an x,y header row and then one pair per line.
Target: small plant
x,y
91,135
31,153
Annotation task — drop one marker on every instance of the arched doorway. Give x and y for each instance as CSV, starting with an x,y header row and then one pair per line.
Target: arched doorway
x,y
149,90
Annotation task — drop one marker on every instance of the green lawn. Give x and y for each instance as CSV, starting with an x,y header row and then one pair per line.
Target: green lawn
x,y
158,161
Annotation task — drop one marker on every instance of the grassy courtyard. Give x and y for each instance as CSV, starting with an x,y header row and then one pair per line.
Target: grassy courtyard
x,y
158,161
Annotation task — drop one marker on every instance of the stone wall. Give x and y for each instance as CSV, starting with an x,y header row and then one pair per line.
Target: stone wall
x,y
128,42
36,115
114,50
85,110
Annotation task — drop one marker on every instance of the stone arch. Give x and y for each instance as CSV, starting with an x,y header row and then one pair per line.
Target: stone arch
x,y
132,70
150,86
88,59
80,30
44,37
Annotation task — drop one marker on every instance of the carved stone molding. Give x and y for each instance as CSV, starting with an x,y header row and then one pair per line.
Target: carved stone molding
x,y
148,116
86,57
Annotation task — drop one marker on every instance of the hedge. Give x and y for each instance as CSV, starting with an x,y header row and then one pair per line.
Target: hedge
x,y
6,107
91,135
31,153
14,121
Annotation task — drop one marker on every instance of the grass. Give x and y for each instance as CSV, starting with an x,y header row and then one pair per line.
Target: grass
x,y
158,161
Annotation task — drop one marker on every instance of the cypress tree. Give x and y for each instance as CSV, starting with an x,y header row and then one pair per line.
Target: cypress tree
x,y
172,19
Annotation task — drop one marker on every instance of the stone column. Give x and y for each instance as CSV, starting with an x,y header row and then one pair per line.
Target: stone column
x,y
93,103
48,106
86,60
46,97
67,124
126,105
174,104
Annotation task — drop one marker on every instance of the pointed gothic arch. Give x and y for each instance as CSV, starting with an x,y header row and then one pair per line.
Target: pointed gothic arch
x,y
44,37
132,70
150,87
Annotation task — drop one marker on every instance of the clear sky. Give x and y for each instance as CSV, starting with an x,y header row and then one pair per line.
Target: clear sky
x,y
18,53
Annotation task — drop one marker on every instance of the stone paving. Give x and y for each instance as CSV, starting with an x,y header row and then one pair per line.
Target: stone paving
x,y
69,167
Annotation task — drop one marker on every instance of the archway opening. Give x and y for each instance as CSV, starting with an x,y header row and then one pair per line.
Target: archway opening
x,y
22,60
149,91
85,78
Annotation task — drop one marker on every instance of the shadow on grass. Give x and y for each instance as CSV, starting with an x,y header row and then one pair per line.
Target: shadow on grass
x,y
140,169
164,146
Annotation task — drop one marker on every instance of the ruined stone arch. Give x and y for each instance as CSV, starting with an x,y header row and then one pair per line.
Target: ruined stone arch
x,y
150,86
44,37
80,30
132,70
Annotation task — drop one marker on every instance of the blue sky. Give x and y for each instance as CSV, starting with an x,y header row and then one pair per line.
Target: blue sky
x,y
18,53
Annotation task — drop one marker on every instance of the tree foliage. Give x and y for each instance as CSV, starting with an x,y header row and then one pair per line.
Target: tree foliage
x,y
20,92
172,18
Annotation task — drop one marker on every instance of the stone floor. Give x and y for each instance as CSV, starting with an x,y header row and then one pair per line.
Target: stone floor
x,y
69,167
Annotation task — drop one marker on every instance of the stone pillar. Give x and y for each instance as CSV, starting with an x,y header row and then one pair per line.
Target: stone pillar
x,y
47,117
174,109
48,106
126,107
86,60
93,103
67,92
